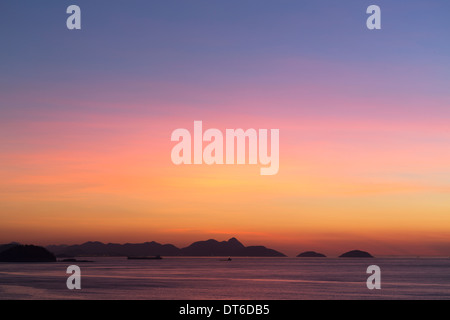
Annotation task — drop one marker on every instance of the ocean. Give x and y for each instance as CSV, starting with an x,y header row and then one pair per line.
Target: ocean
x,y
242,278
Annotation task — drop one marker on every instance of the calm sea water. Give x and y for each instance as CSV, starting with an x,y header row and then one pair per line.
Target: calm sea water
x,y
242,278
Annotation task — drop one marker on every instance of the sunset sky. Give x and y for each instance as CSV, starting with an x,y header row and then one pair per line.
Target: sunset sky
x,y
364,118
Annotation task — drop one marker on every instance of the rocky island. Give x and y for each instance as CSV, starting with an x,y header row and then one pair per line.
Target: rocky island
x,y
26,253
356,254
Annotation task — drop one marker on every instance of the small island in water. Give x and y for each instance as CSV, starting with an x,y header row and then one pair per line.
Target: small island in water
x,y
311,254
26,253
356,254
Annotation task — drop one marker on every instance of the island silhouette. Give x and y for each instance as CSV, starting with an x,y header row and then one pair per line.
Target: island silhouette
x,y
4,247
25,253
356,254
211,247
311,254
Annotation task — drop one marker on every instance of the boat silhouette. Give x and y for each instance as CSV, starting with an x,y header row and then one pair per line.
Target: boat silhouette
x,y
229,259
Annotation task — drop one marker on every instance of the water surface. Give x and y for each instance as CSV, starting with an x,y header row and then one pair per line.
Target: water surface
x,y
241,278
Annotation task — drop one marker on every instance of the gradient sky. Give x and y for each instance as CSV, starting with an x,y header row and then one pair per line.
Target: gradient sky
x,y
86,118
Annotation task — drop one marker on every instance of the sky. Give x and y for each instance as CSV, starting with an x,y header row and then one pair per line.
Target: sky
x,y
86,118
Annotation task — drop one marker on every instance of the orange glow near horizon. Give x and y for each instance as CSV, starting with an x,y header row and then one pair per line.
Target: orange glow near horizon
x,y
333,193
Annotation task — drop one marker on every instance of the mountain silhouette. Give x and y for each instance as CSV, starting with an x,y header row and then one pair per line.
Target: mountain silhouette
x,y
26,253
232,247
114,249
210,247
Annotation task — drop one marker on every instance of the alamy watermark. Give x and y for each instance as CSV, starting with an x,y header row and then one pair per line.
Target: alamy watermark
x,y
373,281
74,280
222,151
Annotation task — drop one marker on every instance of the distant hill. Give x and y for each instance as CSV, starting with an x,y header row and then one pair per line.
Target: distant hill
x,y
356,254
311,254
211,247
26,253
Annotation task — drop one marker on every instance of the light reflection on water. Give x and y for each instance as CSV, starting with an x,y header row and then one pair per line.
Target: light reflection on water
x,y
242,278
